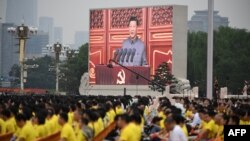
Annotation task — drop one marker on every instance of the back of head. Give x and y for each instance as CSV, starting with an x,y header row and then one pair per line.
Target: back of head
x,y
64,116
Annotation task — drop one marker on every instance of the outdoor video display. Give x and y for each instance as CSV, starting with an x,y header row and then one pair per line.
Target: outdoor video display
x,y
137,38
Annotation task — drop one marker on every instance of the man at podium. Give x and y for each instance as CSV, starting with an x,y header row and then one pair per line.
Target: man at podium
x,y
133,49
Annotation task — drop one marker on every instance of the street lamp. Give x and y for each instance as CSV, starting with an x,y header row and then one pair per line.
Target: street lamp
x,y
71,53
22,33
58,49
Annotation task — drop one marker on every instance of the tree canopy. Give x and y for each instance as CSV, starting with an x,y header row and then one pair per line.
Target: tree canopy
x,y
231,58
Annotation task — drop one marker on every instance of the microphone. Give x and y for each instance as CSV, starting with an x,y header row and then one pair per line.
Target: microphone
x,y
124,54
128,54
116,53
119,55
133,55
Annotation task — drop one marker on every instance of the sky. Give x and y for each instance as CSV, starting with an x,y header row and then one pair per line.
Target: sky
x,y
73,15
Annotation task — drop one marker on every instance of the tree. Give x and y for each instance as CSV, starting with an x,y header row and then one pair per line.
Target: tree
x,y
163,77
15,75
231,58
72,70
41,77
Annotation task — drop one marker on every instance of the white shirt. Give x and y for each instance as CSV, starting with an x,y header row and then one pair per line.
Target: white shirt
x,y
180,106
177,134
196,120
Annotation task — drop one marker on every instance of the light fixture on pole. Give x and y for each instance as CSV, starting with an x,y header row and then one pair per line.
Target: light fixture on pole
x,y
58,49
22,32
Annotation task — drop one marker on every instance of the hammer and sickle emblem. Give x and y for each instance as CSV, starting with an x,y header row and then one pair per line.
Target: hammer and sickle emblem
x,y
121,77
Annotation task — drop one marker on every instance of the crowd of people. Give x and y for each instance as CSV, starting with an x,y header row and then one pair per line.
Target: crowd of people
x,y
81,118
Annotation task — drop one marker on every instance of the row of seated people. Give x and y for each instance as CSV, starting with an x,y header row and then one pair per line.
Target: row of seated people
x,y
140,118
76,117
198,119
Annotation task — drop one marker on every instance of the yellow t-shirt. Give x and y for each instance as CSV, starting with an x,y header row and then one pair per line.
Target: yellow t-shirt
x,y
220,132
111,115
78,131
28,132
79,136
2,127
55,122
13,120
242,122
96,127
118,110
70,115
67,133
10,126
163,116
188,114
203,124
212,128
49,126
184,129
41,131
131,132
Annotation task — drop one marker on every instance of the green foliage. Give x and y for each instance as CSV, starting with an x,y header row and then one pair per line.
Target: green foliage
x,y
163,77
41,77
231,58
73,69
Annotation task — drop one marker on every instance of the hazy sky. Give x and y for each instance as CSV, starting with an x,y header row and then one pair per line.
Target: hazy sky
x,y
73,15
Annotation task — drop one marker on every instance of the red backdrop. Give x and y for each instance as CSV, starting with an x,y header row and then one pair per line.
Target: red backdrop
x,y
109,27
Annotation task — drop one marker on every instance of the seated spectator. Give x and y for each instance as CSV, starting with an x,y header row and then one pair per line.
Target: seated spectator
x,y
67,132
9,124
27,131
176,133
130,130
86,131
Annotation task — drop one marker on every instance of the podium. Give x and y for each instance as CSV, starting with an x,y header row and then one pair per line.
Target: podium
x,y
121,76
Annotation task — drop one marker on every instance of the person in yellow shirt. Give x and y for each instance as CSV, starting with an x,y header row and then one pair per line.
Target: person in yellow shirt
x,y
119,109
40,127
67,132
209,131
76,121
2,126
130,130
9,124
220,120
27,131
86,132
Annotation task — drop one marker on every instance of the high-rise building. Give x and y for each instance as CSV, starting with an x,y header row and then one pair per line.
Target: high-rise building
x,y
9,49
2,10
19,10
81,37
58,34
35,44
46,24
199,21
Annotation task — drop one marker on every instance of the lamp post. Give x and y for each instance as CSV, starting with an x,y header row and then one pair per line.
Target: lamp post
x,y
71,53
22,32
57,48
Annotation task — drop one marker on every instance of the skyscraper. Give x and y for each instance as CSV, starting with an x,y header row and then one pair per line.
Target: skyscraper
x,y
35,44
58,34
17,10
9,49
2,10
46,24
81,37
199,21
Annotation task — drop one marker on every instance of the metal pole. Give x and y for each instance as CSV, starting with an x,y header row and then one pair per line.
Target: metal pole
x,y
21,60
210,50
57,73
